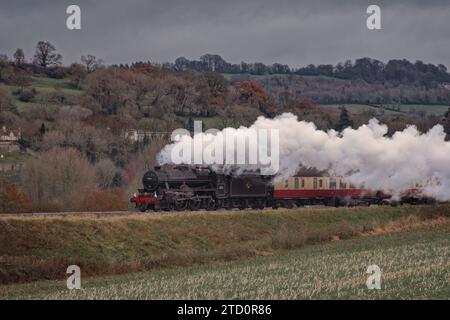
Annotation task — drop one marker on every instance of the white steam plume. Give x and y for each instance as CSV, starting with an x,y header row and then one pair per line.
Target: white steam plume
x,y
366,156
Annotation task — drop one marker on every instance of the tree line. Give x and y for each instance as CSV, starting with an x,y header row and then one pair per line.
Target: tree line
x,y
367,69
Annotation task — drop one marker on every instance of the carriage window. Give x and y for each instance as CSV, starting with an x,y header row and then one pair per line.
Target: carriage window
x,y
320,184
332,183
341,185
296,183
286,183
303,183
315,183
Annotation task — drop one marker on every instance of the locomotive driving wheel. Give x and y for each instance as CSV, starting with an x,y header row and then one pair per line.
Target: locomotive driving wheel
x,y
181,204
210,204
195,204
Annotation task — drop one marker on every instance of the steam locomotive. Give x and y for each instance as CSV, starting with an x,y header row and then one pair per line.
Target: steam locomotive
x,y
185,187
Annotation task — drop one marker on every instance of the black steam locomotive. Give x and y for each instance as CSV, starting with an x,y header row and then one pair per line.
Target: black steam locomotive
x,y
183,187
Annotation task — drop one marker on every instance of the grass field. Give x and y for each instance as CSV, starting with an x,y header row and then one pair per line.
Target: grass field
x,y
415,264
45,86
14,157
37,248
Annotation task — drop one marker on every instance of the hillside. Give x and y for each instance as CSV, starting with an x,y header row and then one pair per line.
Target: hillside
x,y
331,90
81,114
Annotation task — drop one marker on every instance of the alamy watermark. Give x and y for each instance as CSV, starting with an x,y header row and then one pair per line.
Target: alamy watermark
x,y
374,280
246,147
74,280
73,21
373,22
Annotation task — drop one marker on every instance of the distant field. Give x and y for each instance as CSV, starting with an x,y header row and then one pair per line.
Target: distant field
x,y
430,109
391,109
414,265
235,77
48,85
45,86
14,157
359,108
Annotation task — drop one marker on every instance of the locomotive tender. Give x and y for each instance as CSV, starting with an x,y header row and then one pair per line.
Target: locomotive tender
x,y
185,187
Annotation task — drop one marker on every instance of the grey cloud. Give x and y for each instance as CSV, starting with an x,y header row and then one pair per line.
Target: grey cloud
x,y
286,31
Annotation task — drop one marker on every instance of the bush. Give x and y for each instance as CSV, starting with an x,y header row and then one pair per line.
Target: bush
x,y
26,96
104,201
12,200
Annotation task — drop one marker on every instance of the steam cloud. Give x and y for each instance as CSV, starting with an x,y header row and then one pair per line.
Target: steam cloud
x,y
365,156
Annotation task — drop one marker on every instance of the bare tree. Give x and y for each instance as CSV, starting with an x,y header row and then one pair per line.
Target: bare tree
x,y
106,174
46,56
77,73
4,67
6,100
91,62
21,78
19,57
59,179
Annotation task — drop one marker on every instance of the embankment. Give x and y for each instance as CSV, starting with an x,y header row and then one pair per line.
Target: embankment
x,y
35,248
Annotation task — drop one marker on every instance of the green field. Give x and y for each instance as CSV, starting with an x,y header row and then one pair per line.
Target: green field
x,y
45,86
14,157
414,265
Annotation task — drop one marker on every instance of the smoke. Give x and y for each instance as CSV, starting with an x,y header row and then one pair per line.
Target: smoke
x,y
366,156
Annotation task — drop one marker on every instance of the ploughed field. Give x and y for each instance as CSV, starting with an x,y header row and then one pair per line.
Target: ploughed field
x,y
300,253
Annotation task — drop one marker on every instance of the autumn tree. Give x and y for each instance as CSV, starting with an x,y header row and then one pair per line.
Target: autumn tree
x,y
112,88
46,55
253,94
20,78
145,67
19,57
11,199
218,87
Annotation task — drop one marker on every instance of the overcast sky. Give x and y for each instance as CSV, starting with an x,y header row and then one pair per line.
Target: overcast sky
x,y
293,32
